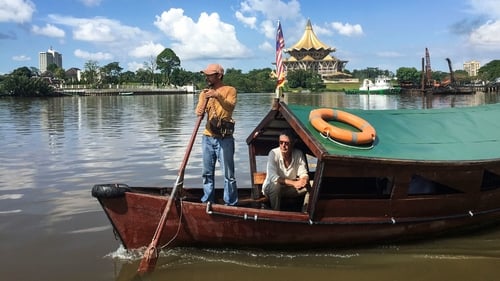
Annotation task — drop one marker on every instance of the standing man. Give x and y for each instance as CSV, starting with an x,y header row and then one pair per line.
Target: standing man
x,y
217,143
287,172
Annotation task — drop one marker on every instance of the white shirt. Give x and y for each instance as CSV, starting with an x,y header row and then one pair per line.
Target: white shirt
x,y
276,167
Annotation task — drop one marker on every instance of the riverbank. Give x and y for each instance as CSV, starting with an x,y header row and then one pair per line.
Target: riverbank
x,y
121,92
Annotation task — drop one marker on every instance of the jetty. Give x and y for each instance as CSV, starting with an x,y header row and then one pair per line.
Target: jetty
x,y
122,91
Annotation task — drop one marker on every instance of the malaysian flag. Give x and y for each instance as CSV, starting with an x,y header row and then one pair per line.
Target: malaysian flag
x,y
280,68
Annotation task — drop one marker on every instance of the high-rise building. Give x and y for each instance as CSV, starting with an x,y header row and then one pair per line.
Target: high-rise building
x,y
49,57
472,67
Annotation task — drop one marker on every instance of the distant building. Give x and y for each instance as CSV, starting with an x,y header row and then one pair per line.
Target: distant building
x,y
472,67
73,75
47,58
309,53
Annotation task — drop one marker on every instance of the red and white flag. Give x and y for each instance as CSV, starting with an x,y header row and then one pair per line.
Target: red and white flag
x,y
280,68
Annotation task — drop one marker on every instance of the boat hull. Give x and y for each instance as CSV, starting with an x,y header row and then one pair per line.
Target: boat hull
x,y
135,217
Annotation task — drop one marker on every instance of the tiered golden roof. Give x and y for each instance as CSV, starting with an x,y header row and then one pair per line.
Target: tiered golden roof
x,y
310,41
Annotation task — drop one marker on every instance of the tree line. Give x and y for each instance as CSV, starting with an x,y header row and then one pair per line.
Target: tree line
x,y
165,71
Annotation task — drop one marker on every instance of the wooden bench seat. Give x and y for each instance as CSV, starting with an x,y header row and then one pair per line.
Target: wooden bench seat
x,y
258,180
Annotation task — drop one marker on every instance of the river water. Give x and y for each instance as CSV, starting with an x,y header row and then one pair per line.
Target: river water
x,y
52,151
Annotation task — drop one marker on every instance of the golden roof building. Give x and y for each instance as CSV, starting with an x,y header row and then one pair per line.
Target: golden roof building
x,y
309,53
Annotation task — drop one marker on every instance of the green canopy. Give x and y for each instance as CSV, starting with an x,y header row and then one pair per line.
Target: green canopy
x,y
451,134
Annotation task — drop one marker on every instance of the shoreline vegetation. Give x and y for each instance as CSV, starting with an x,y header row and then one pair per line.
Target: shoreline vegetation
x,y
24,82
164,73
39,88
57,92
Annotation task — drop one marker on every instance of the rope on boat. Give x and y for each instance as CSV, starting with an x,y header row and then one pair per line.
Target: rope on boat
x,y
327,136
178,228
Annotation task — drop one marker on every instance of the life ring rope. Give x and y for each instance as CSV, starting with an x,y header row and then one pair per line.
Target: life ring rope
x,y
365,136
345,145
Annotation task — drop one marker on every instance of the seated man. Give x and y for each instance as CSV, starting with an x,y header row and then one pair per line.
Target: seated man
x,y
287,173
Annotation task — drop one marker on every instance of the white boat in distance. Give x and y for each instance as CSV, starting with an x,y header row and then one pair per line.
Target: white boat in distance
x,y
382,86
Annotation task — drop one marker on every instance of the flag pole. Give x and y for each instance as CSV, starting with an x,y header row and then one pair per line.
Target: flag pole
x,y
280,68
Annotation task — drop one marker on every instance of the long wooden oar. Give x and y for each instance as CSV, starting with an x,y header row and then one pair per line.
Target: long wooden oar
x,y
150,257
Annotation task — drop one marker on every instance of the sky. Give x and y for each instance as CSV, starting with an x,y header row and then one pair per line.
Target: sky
x,y
240,34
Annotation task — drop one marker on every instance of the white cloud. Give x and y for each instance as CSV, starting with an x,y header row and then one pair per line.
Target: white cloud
x,y
134,66
268,12
18,11
486,36
48,30
268,27
322,31
98,56
485,7
146,50
99,29
347,29
247,21
21,58
209,37
267,47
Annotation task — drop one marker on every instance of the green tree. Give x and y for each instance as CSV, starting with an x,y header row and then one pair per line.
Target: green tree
x,y
370,73
262,81
60,74
236,78
35,71
52,67
111,73
20,83
181,77
150,66
461,76
166,62
490,71
409,75
143,76
91,73
128,77
314,82
298,78
22,71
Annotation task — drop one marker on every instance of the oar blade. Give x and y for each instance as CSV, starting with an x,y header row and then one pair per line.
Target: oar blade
x,y
148,261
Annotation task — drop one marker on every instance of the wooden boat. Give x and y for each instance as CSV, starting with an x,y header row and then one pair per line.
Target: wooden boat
x,y
427,173
381,86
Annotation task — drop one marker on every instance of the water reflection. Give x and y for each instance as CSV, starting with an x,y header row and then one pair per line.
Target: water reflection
x,y
450,259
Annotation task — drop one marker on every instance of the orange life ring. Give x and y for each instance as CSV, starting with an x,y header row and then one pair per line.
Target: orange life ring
x,y
319,117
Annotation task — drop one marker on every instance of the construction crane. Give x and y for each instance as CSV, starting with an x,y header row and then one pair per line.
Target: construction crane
x,y
452,76
428,70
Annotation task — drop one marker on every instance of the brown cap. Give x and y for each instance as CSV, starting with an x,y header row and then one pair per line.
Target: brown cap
x,y
213,68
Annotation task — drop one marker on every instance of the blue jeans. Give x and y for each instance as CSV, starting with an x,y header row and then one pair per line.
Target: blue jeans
x,y
222,150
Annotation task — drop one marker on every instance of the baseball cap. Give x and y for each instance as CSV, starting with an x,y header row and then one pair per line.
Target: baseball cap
x,y
213,68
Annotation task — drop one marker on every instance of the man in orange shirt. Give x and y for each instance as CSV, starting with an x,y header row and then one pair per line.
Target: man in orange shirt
x,y
217,145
